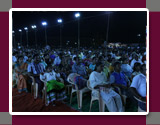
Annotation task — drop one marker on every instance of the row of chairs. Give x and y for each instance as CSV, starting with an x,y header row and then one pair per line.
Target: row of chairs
x,y
34,91
74,89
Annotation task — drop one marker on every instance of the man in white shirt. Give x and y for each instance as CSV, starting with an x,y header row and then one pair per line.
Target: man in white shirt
x,y
35,69
110,97
14,57
126,68
138,87
135,59
57,60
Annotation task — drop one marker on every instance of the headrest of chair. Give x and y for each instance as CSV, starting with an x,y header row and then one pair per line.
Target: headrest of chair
x,y
71,77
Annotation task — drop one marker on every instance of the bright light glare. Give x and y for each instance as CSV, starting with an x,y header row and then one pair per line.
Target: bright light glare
x,y
25,28
34,27
139,35
77,15
44,23
59,21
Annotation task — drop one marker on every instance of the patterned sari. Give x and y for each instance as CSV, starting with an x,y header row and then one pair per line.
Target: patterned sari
x,y
22,78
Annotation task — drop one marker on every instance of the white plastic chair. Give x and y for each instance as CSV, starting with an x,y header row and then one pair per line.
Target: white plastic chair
x,y
139,109
79,92
34,87
44,91
96,97
123,96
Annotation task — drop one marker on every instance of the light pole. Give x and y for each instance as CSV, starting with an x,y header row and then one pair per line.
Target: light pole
x,y
45,24
35,27
107,29
20,36
77,15
13,38
60,22
139,37
26,29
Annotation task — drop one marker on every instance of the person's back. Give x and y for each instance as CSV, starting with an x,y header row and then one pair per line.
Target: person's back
x,y
139,82
138,87
127,69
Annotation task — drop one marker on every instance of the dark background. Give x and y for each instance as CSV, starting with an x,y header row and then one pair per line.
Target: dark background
x,y
124,26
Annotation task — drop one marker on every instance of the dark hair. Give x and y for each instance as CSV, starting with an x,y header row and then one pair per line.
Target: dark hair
x,y
35,56
135,65
74,58
143,65
100,58
19,57
98,64
116,63
93,58
15,53
124,59
26,53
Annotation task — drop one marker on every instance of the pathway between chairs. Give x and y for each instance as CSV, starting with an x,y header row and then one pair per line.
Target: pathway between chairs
x,y
25,102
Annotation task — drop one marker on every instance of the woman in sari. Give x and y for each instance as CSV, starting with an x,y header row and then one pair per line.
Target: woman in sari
x,y
20,69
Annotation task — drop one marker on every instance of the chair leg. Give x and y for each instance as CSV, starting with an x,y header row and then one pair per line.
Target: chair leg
x,y
101,105
71,98
31,89
45,94
81,98
78,99
124,99
35,91
90,106
140,110
68,90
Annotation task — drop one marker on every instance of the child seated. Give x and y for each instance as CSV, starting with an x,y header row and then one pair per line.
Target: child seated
x,y
55,89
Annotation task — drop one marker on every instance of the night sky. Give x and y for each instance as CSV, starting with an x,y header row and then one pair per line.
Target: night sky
x,y
124,26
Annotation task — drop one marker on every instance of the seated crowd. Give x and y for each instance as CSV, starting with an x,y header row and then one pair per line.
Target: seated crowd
x,y
115,73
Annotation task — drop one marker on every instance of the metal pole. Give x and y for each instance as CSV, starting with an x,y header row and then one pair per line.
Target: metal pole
x,y
46,35
107,28
14,41
21,38
60,35
78,34
35,38
27,37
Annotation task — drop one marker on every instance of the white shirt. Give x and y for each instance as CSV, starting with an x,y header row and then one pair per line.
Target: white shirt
x,y
25,59
139,83
49,76
31,68
126,68
134,61
96,78
14,59
57,60
69,52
